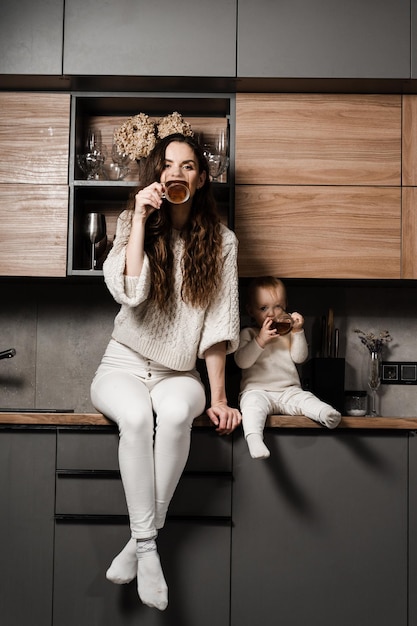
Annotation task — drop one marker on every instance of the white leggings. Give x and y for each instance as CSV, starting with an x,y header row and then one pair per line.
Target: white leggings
x,y
130,390
257,404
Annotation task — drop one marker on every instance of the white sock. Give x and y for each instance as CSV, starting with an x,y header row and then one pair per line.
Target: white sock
x,y
257,448
152,588
329,417
124,566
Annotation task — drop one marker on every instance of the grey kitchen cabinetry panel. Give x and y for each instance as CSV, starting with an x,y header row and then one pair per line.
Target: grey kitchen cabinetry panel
x,y
31,37
142,38
27,492
326,39
413,38
92,527
413,528
97,450
88,481
327,513
195,558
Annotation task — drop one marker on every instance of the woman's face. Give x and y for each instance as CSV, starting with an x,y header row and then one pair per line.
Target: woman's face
x,y
181,164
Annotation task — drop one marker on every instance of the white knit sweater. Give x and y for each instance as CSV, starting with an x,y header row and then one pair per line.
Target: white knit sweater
x,y
176,336
271,368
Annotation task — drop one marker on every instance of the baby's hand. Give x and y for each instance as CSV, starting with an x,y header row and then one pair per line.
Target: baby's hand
x,y
298,322
266,333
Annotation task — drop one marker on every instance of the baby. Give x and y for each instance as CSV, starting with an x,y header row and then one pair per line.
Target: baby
x,y
270,381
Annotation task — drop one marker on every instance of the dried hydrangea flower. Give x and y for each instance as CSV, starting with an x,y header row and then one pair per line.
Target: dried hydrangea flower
x,y
136,137
173,123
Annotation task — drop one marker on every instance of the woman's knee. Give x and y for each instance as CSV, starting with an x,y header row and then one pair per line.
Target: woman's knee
x,y
135,421
177,414
179,403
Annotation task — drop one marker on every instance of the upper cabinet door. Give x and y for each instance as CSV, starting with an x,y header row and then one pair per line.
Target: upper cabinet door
x,y
324,39
31,37
318,139
143,38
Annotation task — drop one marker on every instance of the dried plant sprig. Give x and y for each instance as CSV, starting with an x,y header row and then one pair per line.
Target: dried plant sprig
x,y
373,342
137,136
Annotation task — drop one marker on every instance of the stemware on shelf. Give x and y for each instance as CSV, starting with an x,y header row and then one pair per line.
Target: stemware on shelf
x,y
91,161
216,154
95,229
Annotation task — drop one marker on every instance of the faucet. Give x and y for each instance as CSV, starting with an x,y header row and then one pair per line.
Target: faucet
x,y
7,354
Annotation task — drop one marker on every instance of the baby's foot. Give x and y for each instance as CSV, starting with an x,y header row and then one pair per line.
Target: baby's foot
x,y
124,566
257,448
152,588
330,418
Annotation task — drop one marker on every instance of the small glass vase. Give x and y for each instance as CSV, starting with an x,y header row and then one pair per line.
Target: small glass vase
x,y
374,379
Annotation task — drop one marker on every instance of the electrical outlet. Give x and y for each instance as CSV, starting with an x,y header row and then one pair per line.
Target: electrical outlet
x,y
399,373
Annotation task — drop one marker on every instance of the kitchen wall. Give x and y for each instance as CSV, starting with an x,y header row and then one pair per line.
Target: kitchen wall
x,y
60,330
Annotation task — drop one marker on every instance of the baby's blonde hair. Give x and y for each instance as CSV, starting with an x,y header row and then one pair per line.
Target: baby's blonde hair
x,y
264,282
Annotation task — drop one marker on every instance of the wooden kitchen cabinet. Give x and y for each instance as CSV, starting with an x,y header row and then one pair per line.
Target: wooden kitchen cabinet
x,y
105,112
327,517
409,186
318,191
34,143
319,232
31,33
326,39
141,38
318,139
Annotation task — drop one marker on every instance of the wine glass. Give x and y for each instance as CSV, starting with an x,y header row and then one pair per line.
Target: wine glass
x,y
216,154
92,160
90,164
121,158
94,143
95,229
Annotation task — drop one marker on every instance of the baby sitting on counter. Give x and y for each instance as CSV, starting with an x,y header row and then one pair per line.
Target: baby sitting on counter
x,y
267,354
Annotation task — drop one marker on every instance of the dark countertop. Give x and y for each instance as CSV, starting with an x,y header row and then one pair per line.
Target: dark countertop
x,y
274,421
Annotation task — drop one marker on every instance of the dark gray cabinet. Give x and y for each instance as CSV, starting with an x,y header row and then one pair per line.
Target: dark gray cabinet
x,y
320,530
413,38
323,532
326,39
142,38
31,37
413,529
27,495
91,527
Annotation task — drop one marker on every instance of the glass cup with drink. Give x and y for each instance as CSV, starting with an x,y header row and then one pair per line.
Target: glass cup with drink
x,y
176,191
282,324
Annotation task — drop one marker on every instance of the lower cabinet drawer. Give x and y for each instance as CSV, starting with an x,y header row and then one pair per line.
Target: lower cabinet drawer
x,y
196,495
87,450
98,450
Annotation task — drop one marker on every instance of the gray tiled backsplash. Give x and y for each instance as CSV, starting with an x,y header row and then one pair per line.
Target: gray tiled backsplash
x,y
60,330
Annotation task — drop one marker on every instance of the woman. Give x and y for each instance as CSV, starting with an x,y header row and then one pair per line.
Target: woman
x,y
173,270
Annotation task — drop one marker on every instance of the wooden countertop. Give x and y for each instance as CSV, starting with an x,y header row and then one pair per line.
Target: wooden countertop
x,y
274,421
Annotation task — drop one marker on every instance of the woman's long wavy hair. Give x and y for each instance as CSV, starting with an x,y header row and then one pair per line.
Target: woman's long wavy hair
x,y
202,259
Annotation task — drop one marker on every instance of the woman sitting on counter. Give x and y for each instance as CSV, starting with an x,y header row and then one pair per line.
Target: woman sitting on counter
x,y
173,270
